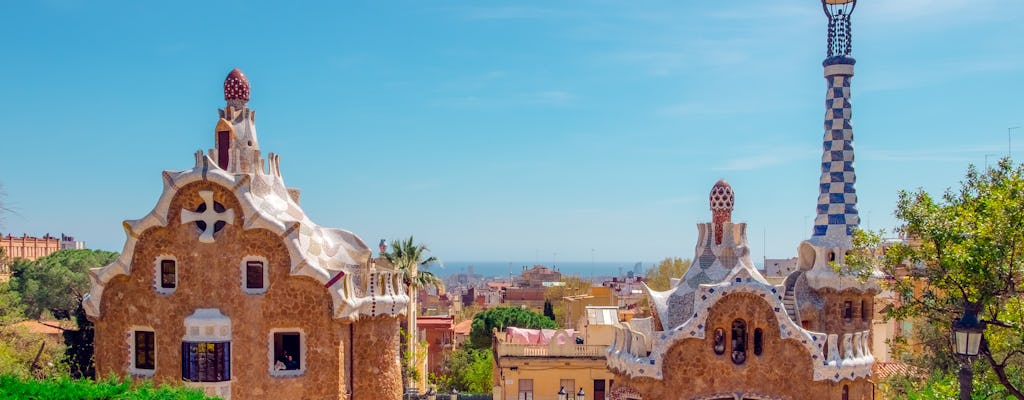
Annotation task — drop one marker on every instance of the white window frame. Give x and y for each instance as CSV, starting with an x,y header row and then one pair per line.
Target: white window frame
x,y
266,274
130,338
302,353
158,273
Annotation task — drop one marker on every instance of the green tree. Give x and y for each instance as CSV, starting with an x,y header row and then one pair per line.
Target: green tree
x,y
966,249
480,334
549,310
466,370
659,277
57,282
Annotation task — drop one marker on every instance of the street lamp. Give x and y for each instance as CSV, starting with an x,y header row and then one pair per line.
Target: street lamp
x,y
431,394
454,395
967,335
580,395
562,395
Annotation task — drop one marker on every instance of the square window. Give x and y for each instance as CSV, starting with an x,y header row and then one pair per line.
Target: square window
x,y
142,346
255,277
848,310
287,352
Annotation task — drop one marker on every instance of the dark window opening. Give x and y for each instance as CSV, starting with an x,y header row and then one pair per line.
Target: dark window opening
x,y
205,361
758,341
831,256
848,310
168,274
287,351
719,344
865,311
739,341
217,226
846,392
223,145
145,353
254,275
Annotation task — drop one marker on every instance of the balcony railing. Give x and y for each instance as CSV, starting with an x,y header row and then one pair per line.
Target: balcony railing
x,y
550,350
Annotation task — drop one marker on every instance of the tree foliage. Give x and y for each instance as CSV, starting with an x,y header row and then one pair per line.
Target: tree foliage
x,y
466,370
57,282
659,277
480,334
965,249
408,257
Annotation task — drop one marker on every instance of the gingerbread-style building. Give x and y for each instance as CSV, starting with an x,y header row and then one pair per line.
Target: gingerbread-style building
x,y
229,286
723,332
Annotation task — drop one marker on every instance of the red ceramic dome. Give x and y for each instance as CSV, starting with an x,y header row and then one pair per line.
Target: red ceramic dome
x,y
236,86
721,196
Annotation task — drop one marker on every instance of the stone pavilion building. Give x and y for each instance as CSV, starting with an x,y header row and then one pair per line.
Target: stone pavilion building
x,y
229,286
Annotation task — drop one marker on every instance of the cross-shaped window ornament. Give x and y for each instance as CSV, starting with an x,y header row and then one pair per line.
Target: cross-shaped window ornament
x,y
210,216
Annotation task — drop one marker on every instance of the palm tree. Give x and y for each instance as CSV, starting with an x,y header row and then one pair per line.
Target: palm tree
x,y
408,257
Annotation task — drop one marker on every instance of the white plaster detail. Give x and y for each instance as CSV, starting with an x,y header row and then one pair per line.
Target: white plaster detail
x,y
207,325
208,216
266,274
130,339
270,353
158,273
314,251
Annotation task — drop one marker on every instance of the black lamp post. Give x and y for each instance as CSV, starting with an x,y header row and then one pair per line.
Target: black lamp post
x,y
562,395
580,395
967,335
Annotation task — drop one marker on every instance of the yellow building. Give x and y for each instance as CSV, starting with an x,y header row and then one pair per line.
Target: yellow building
x,y
539,371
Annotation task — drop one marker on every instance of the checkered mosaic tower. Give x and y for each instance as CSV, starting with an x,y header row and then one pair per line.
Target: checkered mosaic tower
x,y
837,196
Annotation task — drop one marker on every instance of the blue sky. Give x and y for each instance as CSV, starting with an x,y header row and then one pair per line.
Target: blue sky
x,y
503,130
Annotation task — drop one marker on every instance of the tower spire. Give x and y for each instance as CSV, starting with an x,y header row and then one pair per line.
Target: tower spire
x,y
837,198
236,148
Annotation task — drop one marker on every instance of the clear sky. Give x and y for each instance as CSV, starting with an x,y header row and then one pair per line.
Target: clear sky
x,y
529,130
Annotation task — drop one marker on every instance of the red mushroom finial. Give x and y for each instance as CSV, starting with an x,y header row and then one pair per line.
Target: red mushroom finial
x,y
236,87
722,199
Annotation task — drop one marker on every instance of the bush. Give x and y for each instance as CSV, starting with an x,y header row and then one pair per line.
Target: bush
x,y
12,387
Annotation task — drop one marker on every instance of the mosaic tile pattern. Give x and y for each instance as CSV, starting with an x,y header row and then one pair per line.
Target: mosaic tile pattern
x,y
837,200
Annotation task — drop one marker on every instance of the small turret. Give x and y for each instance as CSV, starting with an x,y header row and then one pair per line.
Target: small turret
x,y
237,149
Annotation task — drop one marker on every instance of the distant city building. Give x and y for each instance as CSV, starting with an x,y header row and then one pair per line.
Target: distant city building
x,y
536,364
228,286
29,247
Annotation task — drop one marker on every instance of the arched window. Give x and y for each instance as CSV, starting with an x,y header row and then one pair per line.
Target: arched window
x,y
739,341
831,256
846,392
719,343
758,341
